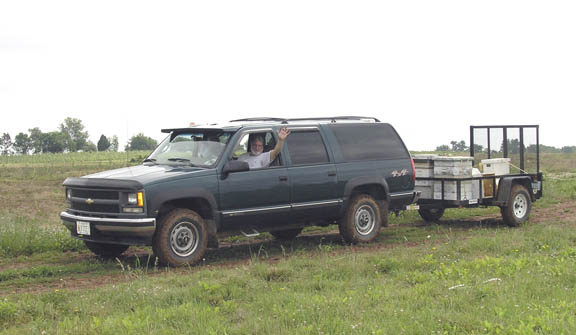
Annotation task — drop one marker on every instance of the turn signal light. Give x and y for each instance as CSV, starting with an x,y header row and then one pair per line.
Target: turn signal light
x,y
140,199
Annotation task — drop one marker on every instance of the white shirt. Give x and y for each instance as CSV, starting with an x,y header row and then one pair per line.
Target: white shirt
x,y
256,161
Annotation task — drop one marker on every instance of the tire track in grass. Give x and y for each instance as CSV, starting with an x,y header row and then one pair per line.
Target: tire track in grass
x,y
139,263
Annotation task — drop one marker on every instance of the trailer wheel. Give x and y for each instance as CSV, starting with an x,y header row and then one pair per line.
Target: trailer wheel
x,y
431,214
106,250
519,206
286,234
362,220
181,238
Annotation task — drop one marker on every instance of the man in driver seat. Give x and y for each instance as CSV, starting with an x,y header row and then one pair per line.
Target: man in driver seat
x,y
258,159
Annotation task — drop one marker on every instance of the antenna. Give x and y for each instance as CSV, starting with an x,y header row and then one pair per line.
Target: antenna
x,y
126,147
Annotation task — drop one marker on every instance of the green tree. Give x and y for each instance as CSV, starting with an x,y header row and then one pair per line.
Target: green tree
x,y
443,147
36,139
459,146
141,142
74,129
513,146
114,144
90,147
542,148
103,143
22,144
5,144
54,142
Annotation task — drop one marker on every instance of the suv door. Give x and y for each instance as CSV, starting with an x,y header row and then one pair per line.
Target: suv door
x,y
312,176
255,198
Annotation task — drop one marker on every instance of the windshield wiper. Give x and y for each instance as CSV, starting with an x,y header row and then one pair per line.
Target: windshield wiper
x,y
149,160
181,160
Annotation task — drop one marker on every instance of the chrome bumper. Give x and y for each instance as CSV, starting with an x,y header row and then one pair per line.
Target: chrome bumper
x,y
136,227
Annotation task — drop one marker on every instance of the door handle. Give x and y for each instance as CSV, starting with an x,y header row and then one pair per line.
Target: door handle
x,y
331,173
283,178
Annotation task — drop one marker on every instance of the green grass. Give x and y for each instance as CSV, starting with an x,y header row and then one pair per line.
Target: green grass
x,y
74,158
496,281
21,235
464,276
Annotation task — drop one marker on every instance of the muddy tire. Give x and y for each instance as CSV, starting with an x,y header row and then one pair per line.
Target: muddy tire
x,y
181,238
106,250
362,220
431,214
519,206
287,234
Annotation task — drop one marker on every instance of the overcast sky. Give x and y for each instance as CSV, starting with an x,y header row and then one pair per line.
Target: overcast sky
x,y
430,68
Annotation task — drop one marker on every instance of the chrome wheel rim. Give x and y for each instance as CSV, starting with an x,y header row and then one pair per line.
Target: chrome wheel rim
x,y
184,239
364,220
520,205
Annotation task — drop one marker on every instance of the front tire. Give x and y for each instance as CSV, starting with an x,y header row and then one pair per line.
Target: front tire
x,y
106,250
519,207
362,220
181,238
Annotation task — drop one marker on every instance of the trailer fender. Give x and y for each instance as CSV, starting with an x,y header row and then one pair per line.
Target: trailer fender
x,y
505,187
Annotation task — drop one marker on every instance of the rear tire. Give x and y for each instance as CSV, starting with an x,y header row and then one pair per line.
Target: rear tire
x,y
362,220
431,214
519,206
181,238
106,250
286,234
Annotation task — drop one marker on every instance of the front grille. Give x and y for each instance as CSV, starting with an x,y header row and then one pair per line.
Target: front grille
x,y
97,208
95,201
95,194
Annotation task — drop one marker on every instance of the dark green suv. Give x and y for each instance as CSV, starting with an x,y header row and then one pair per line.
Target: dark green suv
x,y
196,185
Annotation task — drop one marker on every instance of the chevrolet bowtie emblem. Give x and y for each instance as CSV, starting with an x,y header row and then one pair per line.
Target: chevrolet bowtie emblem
x,y
89,201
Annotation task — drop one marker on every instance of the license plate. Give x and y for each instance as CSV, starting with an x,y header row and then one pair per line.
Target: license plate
x,y
83,228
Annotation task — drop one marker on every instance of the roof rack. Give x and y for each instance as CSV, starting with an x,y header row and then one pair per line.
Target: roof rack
x,y
331,119
258,119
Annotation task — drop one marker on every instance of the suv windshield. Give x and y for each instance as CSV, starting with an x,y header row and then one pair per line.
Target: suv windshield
x,y
196,148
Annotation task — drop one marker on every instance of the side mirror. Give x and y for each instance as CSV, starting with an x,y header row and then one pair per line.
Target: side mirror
x,y
235,166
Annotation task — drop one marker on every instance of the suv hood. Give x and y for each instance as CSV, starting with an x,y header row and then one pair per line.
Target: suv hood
x,y
147,174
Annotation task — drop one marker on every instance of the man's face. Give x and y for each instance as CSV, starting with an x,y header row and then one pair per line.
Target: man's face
x,y
257,147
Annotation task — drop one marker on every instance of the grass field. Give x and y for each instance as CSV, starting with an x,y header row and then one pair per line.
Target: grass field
x,y
468,275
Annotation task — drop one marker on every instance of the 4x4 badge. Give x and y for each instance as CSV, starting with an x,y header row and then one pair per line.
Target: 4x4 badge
x,y
397,173
89,201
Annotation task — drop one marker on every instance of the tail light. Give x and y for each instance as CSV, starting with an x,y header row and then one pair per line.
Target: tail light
x,y
413,169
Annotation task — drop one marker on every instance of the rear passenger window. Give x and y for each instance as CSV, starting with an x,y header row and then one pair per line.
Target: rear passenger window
x,y
370,141
306,147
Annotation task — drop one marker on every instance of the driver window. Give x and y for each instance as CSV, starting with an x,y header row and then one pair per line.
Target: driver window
x,y
244,147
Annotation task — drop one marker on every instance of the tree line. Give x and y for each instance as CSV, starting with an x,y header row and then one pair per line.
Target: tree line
x,y
71,136
513,147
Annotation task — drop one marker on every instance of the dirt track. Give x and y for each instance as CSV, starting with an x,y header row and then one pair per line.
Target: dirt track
x,y
229,254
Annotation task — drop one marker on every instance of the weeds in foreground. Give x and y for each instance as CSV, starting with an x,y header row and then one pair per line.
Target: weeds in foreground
x,y
20,235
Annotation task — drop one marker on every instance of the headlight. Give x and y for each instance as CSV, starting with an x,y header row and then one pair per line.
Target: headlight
x,y
136,199
68,194
132,198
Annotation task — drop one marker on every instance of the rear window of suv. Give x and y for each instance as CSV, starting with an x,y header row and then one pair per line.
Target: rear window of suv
x,y
371,141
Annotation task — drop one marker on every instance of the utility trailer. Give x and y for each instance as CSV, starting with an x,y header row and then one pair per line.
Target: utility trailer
x,y
512,191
